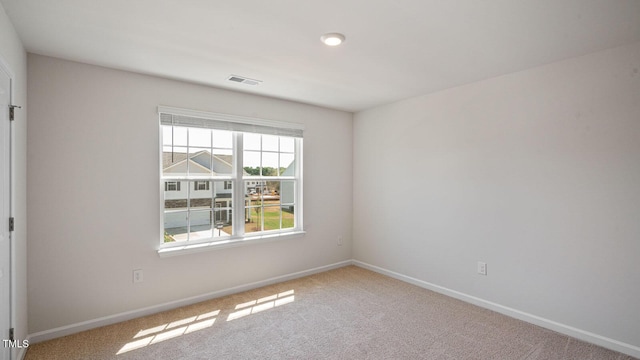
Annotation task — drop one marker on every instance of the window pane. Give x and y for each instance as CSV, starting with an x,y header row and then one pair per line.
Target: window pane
x,y
222,162
287,144
200,137
167,136
271,217
288,219
261,186
287,192
251,163
201,225
269,164
175,195
253,206
199,162
179,136
287,167
251,141
272,189
223,217
253,216
201,198
267,211
269,143
271,205
220,191
251,191
173,161
223,204
222,139
175,226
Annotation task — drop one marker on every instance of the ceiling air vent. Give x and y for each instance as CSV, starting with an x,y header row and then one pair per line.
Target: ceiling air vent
x,y
244,80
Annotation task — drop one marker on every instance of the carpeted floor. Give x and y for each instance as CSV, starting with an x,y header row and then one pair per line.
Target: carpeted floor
x,y
347,313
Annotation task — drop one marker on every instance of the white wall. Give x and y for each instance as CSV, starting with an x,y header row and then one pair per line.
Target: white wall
x,y
536,173
13,54
94,197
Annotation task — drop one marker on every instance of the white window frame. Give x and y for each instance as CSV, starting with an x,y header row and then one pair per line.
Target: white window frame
x,y
239,125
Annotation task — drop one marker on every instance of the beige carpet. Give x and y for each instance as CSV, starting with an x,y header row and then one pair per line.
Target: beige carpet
x,y
348,313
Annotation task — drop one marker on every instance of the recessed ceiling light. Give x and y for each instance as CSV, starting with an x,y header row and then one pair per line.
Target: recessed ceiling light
x,y
332,39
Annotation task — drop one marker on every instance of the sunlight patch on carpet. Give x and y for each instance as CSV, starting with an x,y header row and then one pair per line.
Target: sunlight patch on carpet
x,y
170,330
262,304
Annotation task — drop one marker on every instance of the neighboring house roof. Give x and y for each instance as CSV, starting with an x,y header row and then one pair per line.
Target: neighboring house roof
x,y
202,160
170,158
181,168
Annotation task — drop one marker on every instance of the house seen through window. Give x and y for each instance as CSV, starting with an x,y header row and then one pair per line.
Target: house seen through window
x,y
211,167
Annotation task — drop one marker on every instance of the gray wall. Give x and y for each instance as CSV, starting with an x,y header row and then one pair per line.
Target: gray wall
x,y
536,173
94,196
14,55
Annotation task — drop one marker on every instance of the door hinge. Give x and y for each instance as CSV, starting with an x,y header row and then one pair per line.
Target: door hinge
x,y
12,111
12,223
11,337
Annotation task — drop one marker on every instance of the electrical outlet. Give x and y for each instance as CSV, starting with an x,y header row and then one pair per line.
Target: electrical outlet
x,y
482,268
339,240
137,276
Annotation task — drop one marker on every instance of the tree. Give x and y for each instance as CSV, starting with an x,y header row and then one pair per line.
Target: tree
x,y
254,171
269,171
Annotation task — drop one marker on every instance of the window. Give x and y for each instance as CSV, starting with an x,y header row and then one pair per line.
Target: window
x,y
228,163
172,186
203,185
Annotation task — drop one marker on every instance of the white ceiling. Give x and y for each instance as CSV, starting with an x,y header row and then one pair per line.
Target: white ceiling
x,y
394,49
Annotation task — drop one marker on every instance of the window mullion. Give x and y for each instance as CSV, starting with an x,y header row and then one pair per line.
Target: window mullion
x,y
188,210
280,206
188,174
238,186
298,198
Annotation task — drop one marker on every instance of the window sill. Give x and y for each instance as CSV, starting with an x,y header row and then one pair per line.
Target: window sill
x,y
217,245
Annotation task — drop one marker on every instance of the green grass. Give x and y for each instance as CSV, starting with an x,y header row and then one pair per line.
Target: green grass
x,y
168,238
272,218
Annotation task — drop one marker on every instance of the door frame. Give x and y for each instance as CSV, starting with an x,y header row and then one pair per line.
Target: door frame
x,y
4,67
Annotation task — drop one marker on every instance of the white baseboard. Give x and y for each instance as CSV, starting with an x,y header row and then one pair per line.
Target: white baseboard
x,y
22,353
128,315
596,339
